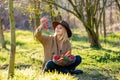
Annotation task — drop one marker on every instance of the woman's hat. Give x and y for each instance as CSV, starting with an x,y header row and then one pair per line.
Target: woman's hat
x,y
64,24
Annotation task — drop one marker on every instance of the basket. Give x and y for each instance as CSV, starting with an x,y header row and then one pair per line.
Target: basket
x,y
64,59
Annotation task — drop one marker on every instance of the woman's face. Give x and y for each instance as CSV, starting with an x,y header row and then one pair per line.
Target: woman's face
x,y
59,30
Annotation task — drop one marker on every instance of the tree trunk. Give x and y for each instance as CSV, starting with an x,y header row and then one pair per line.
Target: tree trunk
x,y
93,38
104,26
111,14
37,12
2,41
13,40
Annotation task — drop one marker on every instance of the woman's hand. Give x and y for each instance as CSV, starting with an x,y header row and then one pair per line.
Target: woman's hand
x,y
44,22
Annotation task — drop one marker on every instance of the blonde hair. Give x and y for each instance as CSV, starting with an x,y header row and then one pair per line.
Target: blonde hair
x,y
64,35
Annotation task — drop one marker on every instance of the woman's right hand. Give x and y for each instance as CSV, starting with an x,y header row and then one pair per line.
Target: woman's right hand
x,y
44,22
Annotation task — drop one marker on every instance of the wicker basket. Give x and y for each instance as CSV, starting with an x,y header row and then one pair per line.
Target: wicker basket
x,y
64,60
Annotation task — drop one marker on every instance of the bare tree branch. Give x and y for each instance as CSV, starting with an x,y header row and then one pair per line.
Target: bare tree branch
x,y
117,2
74,7
104,5
96,6
61,7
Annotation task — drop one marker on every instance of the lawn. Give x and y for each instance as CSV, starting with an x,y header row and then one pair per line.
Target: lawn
x,y
97,64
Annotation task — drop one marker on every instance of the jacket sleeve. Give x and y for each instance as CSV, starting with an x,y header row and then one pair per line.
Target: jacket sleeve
x,y
42,38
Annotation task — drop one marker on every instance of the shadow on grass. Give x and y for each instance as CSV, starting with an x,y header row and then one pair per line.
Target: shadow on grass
x,y
17,43
34,60
112,43
107,56
93,74
21,65
106,50
79,47
114,40
77,37
82,38
18,66
114,36
5,49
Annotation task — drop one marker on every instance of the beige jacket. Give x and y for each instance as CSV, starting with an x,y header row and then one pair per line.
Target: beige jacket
x,y
50,45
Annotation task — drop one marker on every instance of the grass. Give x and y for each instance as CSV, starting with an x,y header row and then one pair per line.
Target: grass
x,y
97,64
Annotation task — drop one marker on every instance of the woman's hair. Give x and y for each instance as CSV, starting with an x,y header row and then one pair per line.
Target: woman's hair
x,y
64,35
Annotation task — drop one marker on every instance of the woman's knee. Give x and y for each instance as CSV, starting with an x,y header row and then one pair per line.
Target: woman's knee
x,y
78,59
49,64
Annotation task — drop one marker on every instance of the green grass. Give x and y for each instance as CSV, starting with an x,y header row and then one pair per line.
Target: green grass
x,y
97,64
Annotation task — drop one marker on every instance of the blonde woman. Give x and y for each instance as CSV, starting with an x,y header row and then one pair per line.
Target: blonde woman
x,y
57,44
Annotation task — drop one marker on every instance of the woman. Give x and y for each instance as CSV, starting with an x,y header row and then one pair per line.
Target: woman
x,y
57,44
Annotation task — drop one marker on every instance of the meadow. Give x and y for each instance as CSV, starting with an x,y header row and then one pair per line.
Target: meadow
x,y
97,64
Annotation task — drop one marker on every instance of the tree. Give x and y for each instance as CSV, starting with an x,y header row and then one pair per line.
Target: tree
x,y
33,8
104,25
54,12
86,11
37,11
13,39
118,4
2,40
